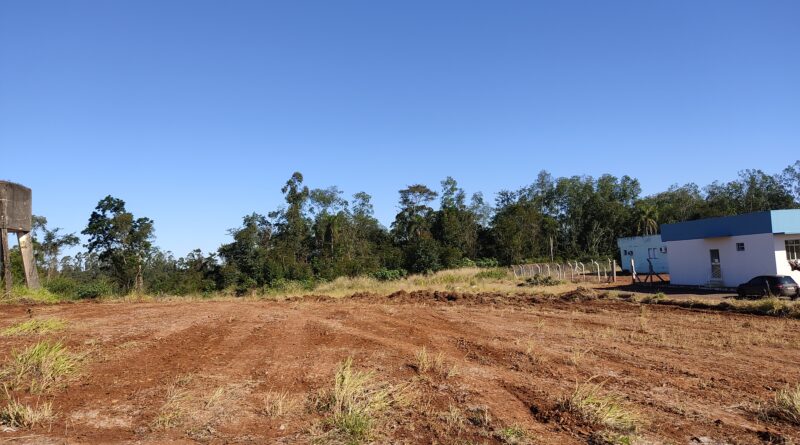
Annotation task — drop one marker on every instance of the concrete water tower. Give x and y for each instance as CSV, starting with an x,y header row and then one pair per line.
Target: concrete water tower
x,y
15,217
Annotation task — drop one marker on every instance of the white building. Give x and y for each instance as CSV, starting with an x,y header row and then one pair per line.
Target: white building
x,y
728,251
641,249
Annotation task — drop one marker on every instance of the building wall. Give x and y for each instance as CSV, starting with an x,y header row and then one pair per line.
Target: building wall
x,y
690,260
780,256
642,247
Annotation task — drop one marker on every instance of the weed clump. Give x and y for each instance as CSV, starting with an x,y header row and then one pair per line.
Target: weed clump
x,y
541,280
40,366
513,435
355,400
785,406
15,414
590,403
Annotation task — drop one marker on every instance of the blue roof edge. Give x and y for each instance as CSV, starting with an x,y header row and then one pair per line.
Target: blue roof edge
x,y
744,224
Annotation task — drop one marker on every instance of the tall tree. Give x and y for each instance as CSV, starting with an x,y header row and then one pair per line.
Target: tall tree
x,y
121,241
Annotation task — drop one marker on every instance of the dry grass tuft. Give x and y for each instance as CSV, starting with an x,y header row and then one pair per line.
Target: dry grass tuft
x,y
18,415
454,419
590,403
355,401
174,408
785,406
423,362
278,404
34,327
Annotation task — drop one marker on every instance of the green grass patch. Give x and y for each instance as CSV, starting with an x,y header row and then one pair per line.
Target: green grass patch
x,y
23,294
34,327
41,366
513,435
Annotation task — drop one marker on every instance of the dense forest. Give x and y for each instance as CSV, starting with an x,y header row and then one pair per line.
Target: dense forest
x,y
319,234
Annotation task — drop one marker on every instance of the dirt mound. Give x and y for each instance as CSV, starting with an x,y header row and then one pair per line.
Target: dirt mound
x,y
581,294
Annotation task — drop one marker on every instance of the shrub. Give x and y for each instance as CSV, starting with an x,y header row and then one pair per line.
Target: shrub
x,y
94,289
283,285
62,286
492,274
487,262
389,274
465,262
542,280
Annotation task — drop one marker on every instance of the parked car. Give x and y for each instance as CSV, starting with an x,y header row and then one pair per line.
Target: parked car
x,y
764,285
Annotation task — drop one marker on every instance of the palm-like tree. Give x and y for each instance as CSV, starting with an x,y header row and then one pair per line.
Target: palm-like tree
x,y
647,220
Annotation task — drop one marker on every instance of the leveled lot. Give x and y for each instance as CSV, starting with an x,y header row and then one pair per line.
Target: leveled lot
x,y
426,368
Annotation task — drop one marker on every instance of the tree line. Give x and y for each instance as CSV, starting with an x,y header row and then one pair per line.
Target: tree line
x,y
320,234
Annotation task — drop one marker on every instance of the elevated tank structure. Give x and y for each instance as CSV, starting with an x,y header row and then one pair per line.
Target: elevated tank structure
x,y
16,217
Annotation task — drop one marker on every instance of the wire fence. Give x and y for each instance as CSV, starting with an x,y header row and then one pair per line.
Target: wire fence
x,y
573,271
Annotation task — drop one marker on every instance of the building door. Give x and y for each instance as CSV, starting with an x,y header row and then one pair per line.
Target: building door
x,y
716,268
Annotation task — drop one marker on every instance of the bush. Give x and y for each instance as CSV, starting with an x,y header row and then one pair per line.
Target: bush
x,y
542,280
492,274
284,285
62,286
389,274
465,262
487,262
94,289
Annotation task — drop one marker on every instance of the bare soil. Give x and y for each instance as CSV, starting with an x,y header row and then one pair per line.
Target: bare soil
x,y
205,372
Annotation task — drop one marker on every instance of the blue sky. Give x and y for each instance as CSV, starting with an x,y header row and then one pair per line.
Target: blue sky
x,y
197,112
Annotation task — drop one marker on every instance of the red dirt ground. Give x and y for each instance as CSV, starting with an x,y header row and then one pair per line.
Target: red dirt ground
x,y
692,376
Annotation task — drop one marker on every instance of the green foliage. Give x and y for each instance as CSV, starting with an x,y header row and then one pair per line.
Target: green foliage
x,y
70,289
40,366
283,285
121,241
492,274
389,274
319,234
62,286
487,262
41,295
542,280
94,289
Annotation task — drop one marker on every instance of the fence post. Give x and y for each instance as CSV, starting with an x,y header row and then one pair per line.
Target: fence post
x,y
614,271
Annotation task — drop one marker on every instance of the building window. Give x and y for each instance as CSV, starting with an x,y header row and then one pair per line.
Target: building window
x,y
740,247
793,249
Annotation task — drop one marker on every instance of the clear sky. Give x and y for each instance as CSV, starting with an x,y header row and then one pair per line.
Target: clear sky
x,y
197,112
